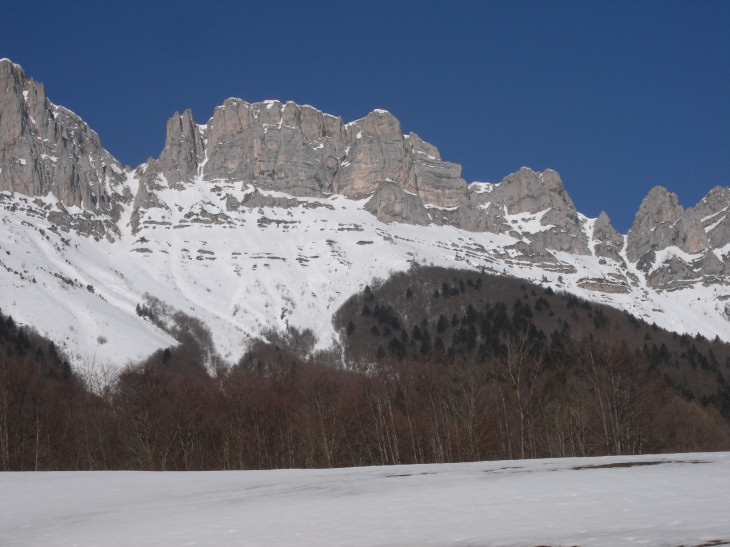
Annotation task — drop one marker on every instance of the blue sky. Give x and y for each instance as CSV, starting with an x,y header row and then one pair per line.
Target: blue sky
x,y
615,96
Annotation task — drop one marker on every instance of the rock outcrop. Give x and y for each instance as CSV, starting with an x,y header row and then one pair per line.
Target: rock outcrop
x,y
670,244
530,192
184,150
608,242
436,182
275,146
662,222
391,203
713,212
47,149
304,152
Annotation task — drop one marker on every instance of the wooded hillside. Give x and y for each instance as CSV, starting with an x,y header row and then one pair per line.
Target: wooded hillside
x,y
443,366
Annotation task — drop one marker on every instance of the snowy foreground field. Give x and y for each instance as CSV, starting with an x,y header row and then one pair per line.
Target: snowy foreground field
x,y
681,499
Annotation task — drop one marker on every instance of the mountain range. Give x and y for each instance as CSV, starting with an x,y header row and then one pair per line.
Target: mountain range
x,y
270,216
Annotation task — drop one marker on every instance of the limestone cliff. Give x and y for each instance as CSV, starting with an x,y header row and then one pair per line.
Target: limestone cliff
x,y
47,149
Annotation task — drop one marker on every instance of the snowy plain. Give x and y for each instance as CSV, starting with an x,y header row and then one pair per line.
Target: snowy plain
x,y
679,499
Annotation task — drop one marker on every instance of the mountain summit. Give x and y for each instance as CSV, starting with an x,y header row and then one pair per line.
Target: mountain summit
x,y
270,215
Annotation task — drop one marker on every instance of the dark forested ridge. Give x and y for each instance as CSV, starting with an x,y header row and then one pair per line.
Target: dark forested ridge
x,y
442,365
467,315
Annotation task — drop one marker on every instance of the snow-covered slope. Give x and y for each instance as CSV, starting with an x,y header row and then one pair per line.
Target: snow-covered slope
x,y
270,267
271,215
678,499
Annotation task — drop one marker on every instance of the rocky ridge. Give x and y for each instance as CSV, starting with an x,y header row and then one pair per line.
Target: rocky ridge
x,y
299,150
304,152
271,162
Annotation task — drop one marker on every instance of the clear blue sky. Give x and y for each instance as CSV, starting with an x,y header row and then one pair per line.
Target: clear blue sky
x,y
615,96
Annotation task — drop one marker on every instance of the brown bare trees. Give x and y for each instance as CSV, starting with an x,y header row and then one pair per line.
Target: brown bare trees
x,y
503,391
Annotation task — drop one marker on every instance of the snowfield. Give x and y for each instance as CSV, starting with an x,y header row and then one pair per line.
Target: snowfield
x,y
259,269
680,499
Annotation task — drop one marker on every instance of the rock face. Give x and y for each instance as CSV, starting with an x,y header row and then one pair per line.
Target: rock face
x,y
277,147
391,203
662,222
436,182
45,149
532,193
670,244
304,152
714,214
184,148
608,242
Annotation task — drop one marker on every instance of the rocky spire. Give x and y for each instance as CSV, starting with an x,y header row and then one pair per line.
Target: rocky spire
x,y
184,150
608,242
661,222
